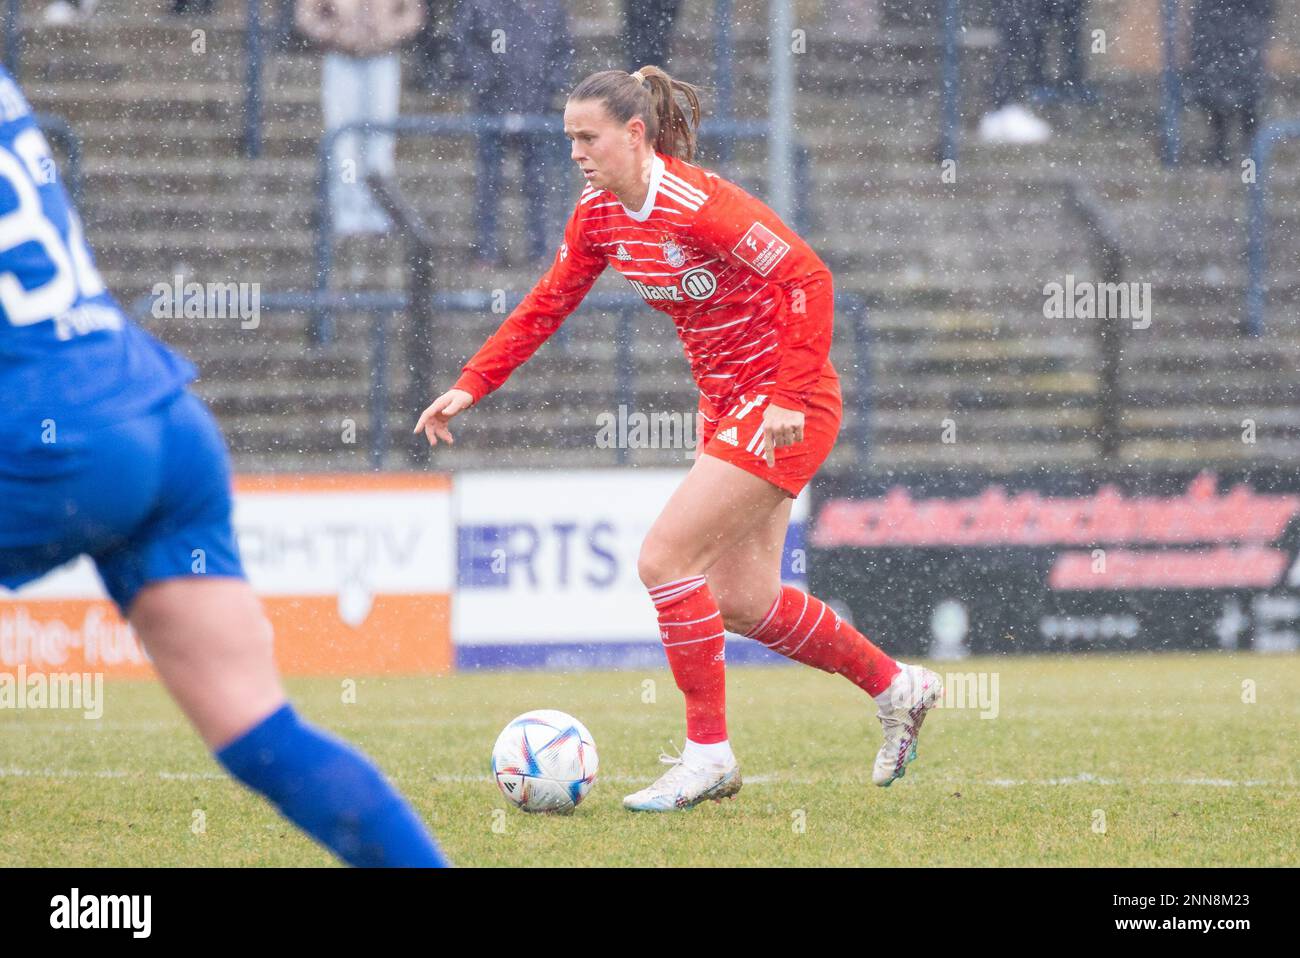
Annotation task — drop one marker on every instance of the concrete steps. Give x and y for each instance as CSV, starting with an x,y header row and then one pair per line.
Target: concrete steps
x,y
953,271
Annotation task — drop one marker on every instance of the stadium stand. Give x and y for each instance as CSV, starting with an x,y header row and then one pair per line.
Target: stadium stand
x,y
953,272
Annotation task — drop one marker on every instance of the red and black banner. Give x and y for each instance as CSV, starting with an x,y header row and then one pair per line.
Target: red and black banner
x,y
953,564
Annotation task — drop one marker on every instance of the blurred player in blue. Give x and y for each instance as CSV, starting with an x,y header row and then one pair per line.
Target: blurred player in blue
x,y
103,451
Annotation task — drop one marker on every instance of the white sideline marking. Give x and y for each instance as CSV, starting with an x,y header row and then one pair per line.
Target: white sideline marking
x,y
1087,778
180,725
1083,778
70,773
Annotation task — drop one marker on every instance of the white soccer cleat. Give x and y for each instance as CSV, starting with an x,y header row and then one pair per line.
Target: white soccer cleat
x,y
684,785
912,694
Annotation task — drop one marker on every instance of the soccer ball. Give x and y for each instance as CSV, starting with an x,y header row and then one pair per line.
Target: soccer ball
x,y
545,761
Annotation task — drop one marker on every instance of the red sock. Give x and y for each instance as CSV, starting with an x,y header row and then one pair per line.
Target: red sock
x,y
802,627
690,626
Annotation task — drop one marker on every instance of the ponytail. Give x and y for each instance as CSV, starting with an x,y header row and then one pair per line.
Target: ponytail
x,y
651,94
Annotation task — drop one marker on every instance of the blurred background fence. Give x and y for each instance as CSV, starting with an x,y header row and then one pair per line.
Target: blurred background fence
x,y
1064,236
951,253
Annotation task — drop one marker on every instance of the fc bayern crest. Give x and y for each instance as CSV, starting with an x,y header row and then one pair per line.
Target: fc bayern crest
x,y
673,253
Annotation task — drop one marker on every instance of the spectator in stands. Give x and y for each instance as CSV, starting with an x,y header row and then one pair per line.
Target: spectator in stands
x,y
648,30
1018,23
1067,16
515,57
360,81
1226,74
432,47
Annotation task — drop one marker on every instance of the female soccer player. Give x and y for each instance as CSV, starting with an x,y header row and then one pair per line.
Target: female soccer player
x,y
752,304
104,452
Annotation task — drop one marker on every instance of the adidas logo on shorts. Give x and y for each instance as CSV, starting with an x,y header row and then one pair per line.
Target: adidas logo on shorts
x,y
729,436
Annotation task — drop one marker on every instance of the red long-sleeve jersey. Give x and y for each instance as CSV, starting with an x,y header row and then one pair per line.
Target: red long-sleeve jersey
x,y
752,303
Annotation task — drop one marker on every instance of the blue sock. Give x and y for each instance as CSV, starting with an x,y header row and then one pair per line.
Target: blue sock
x,y
332,792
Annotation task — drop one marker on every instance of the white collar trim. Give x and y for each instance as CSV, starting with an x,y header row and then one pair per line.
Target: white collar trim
x,y
656,171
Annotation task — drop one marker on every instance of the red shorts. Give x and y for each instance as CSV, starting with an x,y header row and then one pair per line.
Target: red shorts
x,y
737,437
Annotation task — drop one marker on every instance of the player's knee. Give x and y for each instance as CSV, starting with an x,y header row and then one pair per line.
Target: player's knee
x,y
738,615
655,564
743,604
660,562
737,621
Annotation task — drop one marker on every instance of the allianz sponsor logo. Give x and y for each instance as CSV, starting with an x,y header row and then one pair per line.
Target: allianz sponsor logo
x,y
653,293
75,910
697,284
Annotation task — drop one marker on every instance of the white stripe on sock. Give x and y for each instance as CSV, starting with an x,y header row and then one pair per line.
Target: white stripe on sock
x,y
802,612
755,632
664,600
661,600
810,631
691,622
669,645
667,585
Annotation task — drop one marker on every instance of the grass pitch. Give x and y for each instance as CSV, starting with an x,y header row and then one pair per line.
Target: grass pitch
x,y
1090,761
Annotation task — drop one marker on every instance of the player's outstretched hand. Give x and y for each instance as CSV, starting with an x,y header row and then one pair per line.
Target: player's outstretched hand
x,y
434,419
781,427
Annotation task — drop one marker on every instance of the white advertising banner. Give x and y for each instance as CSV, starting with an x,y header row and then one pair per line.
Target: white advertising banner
x,y
547,566
354,571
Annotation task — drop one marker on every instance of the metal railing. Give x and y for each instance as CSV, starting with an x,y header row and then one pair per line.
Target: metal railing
x,y
420,256
254,48
724,56
726,131
421,249
253,81
1111,261
949,93
1257,224
384,306
14,38
1171,86
628,307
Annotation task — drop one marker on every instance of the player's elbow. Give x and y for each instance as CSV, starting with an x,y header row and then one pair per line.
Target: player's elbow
x,y
813,294
821,278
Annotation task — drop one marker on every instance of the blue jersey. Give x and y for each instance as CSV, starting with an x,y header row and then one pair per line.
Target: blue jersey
x,y
68,354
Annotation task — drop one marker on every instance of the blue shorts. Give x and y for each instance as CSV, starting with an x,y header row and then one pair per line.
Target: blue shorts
x,y
147,499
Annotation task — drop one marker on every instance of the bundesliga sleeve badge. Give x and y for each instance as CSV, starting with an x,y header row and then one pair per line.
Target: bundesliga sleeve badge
x,y
761,249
